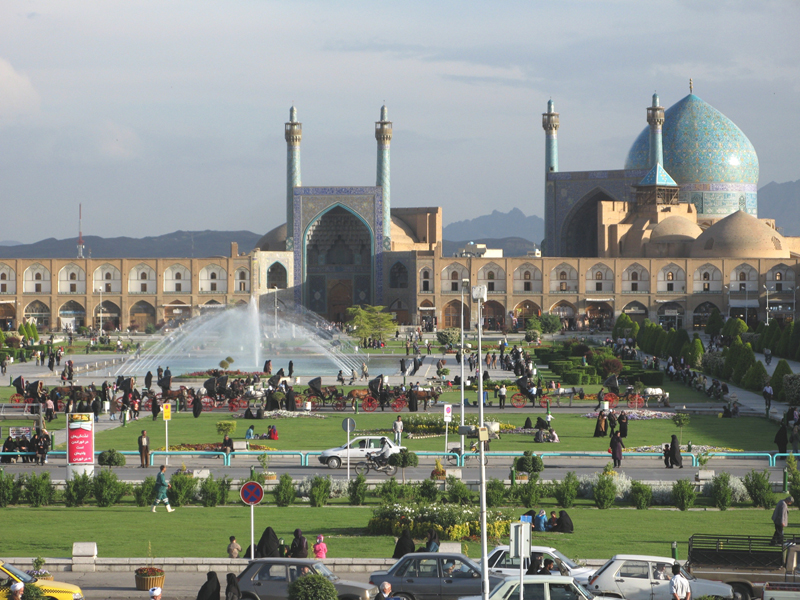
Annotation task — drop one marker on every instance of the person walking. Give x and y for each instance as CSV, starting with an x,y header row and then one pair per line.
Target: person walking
x,y
612,422
616,448
320,548
678,586
364,371
161,489
501,394
397,428
144,449
780,517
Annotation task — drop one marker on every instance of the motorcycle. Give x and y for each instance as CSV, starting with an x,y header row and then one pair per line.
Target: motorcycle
x,y
374,463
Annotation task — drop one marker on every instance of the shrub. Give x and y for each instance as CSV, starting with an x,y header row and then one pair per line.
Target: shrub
x,y
32,592
776,380
715,323
149,329
209,492
641,495
404,459
39,490
531,335
312,587
755,377
451,335
389,491
747,359
457,491
495,493
759,489
77,490
611,366
529,492
550,323
284,492
713,363
721,492
566,491
320,491
144,494
226,427
7,485
108,489
183,490
357,490
683,494
605,491
572,378
429,491
224,485
791,389
111,458
529,463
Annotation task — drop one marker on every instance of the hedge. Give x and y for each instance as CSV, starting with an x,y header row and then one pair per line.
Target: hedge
x,y
560,366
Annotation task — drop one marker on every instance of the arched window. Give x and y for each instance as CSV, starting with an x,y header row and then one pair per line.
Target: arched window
x,y
778,276
563,286
178,275
242,275
526,275
490,275
598,275
37,277
73,276
276,276
634,276
213,275
562,276
398,276
108,275
426,275
670,276
143,275
3,276
742,276
706,276
454,276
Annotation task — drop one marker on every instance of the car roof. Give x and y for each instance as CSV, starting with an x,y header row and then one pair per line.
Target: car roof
x,y
286,561
663,559
541,578
533,548
437,554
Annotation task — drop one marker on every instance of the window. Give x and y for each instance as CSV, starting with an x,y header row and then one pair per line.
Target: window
x,y
533,591
778,287
526,276
37,277
73,288
706,276
178,287
562,276
454,276
143,275
526,286
490,275
598,287
178,276
635,286
213,286
3,287
398,276
213,275
634,276
143,287
634,569
562,286
73,277
670,276
457,569
670,287
108,275
778,276
108,287
454,286
2,276
242,275
563,591
271,573
490,286
37,288
420,567
598,275
742,276
706,287
242,286
425,285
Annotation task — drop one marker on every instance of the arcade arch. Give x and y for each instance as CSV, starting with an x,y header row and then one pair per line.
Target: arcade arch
x,y
671,280
107,279
707,279
635,280
213,279
527,279
564,279
36,280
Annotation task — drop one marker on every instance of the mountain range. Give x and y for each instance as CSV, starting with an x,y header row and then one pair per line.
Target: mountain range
x,y
781,201
497,225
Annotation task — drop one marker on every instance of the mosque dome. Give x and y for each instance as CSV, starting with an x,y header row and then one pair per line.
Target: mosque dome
x,y
274,240
401,233
701,145
675,229
740,235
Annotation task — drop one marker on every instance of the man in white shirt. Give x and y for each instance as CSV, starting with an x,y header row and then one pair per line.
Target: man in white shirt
x,y
679,587
397,427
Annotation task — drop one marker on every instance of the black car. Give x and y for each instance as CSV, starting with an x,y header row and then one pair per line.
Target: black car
x,y
269,579
433,576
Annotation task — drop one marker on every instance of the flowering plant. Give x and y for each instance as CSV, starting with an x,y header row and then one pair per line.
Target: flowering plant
x,y
37,570
149,572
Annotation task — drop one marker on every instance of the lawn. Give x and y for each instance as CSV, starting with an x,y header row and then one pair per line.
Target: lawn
x,y
575,431
204,532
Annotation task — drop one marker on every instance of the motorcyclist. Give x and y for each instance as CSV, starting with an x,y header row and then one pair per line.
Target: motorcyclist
x,y
382,458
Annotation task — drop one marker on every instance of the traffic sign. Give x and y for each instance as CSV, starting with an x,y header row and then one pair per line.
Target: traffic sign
x,y
348,424
448,413
167,411
251,493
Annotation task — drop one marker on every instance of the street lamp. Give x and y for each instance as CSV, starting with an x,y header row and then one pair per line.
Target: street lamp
x,y
464,284
101,310
479,295
276,310
767,289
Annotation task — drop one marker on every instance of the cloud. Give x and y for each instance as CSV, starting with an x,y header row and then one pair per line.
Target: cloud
x,y
18,97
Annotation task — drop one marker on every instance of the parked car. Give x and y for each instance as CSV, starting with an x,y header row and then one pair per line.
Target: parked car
x,y
10,575
434,576
500,561
269,579
335,457
539,587
638,577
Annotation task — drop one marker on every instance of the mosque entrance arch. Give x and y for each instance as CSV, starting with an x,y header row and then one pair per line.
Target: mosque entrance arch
x,y
702,313
600,315
579,230
636,311
493,316
339,251
566,312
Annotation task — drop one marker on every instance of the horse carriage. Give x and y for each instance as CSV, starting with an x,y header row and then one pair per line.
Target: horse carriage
x,y
216,392
320,396
633,399
519,399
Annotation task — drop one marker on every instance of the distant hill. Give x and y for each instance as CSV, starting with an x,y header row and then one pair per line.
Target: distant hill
x,y
10,243
511,246
179,244
498,225
781,201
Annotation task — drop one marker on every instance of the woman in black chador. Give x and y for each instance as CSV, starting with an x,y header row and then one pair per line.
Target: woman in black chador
x,y
404,545
623,425
600,426
675,458
564,524
211,588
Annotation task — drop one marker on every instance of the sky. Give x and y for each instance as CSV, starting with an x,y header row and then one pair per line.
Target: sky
x,y
167,115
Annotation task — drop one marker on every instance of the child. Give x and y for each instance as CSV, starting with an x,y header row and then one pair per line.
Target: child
x,y
667,456
283,550
320,549
552,522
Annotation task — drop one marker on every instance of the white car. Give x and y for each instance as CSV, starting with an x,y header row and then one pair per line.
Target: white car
x,y
499,560
639,577
359,447
539,587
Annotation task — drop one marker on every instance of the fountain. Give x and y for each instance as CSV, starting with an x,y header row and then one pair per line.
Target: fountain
x,y
250,337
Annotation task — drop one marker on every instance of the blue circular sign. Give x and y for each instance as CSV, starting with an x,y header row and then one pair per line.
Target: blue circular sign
x,y
251,493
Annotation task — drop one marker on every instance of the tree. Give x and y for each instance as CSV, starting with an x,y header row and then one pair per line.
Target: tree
x,y
715,323
759,344
681,420
756,377
661,343
781,369
371,321
642,338
696,353
731,357
733,327
782,348
623,327
772,335
681,338
533,323
550,323
404,459
747,359
312,587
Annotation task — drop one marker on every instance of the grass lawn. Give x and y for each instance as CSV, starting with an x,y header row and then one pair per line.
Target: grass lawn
x,y
204,532
575,431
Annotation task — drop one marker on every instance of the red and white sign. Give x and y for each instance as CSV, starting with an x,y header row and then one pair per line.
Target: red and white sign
x,y
448,413
80,438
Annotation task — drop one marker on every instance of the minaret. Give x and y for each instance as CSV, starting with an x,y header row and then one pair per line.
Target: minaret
x,y
550,125
383,133
294,133
655,118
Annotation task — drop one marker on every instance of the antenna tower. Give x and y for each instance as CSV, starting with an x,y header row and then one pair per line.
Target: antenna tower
x,y
80,232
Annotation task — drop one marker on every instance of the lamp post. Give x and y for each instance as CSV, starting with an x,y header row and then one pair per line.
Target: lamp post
x,y
275,295
101,310
767,290
479,295
464,284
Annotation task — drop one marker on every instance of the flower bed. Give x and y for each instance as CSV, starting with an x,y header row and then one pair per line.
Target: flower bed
x,y
450,521
637,415
209,447
434,424
218,373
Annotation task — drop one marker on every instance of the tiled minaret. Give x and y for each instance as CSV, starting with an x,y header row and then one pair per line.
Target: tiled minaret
x,y
550,125
294,133
383,133
655,118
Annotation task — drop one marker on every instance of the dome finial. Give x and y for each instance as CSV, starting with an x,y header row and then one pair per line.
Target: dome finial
x,y
384,112
655,99
691,86
293,114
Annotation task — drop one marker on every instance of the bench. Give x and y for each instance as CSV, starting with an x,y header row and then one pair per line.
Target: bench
x,y
240,446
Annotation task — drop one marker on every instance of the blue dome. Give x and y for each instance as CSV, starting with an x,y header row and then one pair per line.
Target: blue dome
x,y
701,145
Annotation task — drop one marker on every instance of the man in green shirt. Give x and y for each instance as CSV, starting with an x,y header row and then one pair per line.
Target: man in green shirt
x,y
161,489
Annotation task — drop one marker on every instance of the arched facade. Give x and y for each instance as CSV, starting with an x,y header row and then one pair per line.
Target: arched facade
x,y
276,276
398,276
599,315
564,279
142,279
636,311
566,311
701,314
177,311
107,316
426,280
527,279
177,280
525,310
142,314
780,281
108,279
452,275
242,279
599,278
493,277
707,279
72,280
39,312
400,311
671,280
36,280
213,279
671,315
494,316
8,280
8,316
744,278
452,312
635,280
780,278
72,315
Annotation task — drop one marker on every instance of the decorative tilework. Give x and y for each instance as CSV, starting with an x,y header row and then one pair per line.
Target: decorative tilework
x,y
658,176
